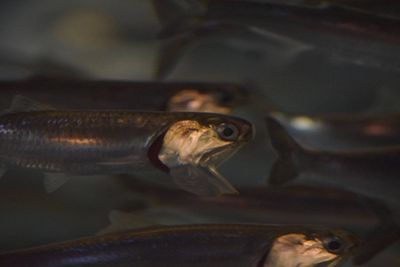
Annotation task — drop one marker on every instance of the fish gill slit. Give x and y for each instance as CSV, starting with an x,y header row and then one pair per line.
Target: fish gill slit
x,y
154,151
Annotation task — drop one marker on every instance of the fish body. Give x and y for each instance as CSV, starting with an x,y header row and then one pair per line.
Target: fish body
x,y
195,245
79,142
68,143
372,173
121,95
343,132
287,205
345,35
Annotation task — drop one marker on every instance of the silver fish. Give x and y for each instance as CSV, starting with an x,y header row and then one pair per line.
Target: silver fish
x,y
166,96
287,205
343,34
342,131
195,245
372,173
189,146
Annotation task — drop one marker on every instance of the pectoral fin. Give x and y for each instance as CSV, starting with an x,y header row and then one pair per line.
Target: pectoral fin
x,y
203,181
53,181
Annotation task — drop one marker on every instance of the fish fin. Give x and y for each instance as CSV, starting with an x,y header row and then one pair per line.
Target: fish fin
x,y
171,11
170,54
285,168
203,181
382,236
24,104
182,26
283,171
53,181
178,39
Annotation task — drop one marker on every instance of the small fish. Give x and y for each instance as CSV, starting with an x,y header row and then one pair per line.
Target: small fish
x,y
166,96
343,34
189,146
195,245
344,131
372,173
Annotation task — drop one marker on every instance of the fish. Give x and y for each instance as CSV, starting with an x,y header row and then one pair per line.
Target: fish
x,y
103,94
342,131
64,143
372,173
342,34
195,245
298,205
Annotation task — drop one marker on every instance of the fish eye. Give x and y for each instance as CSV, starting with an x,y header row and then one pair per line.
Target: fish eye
x,y
333,245
228,132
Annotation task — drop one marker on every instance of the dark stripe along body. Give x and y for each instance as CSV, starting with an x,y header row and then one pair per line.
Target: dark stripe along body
x,y
186,246
84,142
122,95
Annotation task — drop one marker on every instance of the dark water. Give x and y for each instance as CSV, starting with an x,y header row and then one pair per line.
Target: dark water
x,y
102,40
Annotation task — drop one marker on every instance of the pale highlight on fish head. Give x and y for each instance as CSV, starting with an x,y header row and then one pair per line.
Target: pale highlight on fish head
x,y
203,142
301,250
192,100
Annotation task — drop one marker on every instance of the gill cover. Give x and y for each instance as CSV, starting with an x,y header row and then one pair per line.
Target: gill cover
x,y
191,151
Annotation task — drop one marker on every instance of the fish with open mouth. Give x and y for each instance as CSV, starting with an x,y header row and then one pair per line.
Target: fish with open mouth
x,y
372,173
195,245
189,146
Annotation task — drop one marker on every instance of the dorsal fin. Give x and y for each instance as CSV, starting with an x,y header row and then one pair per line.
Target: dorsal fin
x,y
22,103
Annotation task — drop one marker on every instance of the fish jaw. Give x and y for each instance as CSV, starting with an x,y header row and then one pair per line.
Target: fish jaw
x,y
192,150
188,142
296,250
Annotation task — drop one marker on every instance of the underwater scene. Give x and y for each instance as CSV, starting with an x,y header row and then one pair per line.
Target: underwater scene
x,y
188,133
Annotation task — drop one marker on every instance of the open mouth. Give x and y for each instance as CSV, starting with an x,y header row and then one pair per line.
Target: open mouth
x,y
218,155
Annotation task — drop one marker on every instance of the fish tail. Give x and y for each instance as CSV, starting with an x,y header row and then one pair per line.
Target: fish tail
x,y
180,21
172,13
285,167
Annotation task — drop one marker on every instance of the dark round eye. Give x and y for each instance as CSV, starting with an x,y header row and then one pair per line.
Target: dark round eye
x,y
228,131
225,98
333,245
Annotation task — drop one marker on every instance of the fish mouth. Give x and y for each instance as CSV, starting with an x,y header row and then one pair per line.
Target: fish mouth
x,y
218,155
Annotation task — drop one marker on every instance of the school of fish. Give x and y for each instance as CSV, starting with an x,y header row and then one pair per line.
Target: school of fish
x,y
330,198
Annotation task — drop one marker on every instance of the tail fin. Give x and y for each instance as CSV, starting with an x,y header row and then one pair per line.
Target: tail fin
x,y
171,11
178,18
285,168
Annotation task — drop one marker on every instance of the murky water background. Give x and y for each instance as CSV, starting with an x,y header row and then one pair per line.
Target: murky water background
x,y
102,40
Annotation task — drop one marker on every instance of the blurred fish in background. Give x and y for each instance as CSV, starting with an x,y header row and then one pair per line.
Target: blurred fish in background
x,y
343,131
344,35
328,70
173,96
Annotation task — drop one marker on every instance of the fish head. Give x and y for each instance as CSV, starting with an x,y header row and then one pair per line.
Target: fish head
x,y
215,100
192,148
306,250
206,141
